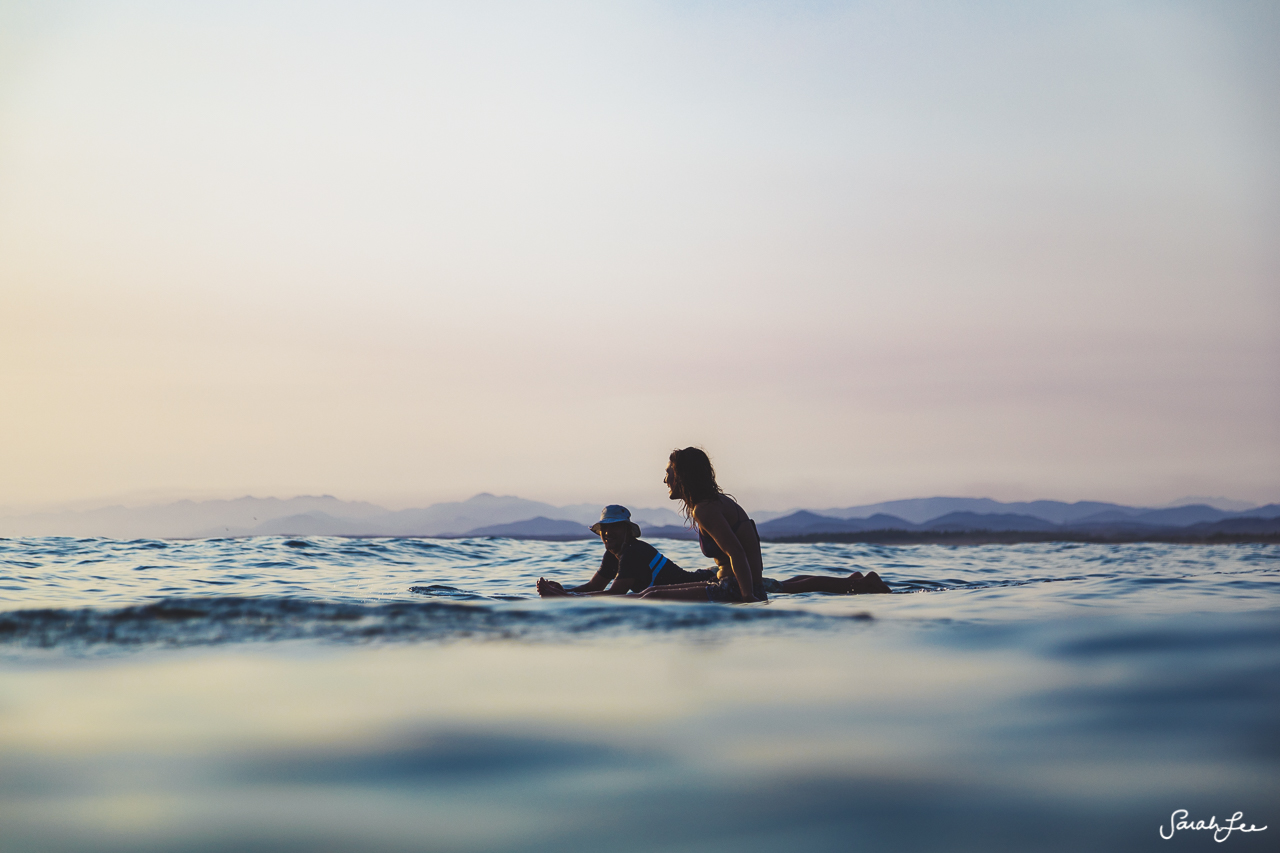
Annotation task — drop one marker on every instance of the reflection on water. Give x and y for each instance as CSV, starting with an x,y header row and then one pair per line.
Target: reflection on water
x,y
1027,697
1055,736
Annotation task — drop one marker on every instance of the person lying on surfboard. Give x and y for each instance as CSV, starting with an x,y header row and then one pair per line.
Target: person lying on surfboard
x,y
632,564
635,568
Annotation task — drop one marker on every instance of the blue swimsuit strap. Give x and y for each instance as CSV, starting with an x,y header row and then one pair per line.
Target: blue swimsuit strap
x,y
658,563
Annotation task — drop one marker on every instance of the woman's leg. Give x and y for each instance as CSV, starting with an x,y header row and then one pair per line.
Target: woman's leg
x,y
872,583
854,583
820,583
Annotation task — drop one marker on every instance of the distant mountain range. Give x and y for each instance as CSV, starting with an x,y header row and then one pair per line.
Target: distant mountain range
x,y
317,516
1080,520
922,510
491,515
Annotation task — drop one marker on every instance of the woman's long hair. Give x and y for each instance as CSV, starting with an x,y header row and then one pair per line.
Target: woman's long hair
x,y
694,479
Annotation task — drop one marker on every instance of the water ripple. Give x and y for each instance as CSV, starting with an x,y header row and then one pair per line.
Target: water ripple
x,y
974,583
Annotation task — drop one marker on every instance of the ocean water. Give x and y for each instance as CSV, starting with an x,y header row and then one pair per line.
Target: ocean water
x,y
414,694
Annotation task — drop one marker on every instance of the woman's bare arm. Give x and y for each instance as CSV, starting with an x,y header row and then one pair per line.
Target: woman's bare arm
x,y
711,520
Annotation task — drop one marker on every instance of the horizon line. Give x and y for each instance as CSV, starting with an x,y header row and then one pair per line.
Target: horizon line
x,y
123,502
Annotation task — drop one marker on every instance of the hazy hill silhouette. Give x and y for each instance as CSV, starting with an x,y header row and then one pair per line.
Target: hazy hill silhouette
x,y
921,510
1268,511
1173,517
802,522
317,524
539,527
183,518
304,515
326,515
668,531
988,521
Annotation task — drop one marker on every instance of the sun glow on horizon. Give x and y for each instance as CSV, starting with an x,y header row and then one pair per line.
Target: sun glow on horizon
x,y
858,252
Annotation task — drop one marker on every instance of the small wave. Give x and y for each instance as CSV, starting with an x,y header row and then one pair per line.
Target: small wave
x,y
949,584
180,622
437,590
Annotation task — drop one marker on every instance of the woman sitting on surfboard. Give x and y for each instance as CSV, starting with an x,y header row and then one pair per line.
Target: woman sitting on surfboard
x,y
669,581
728,535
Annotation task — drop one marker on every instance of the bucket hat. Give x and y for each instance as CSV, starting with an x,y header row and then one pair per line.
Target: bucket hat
x,y
612,514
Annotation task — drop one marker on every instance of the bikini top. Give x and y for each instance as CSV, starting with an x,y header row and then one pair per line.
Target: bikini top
x,y
709,546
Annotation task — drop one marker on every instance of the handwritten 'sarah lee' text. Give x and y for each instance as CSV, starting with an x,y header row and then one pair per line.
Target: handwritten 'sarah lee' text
x,y
1178,820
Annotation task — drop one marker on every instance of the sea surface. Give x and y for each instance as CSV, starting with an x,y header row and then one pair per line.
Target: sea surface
x,y
311,694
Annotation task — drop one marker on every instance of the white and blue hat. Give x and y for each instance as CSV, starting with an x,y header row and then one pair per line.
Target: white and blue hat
x,y
612,514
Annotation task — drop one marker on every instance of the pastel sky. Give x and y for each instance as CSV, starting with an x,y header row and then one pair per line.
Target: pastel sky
x,y
408,252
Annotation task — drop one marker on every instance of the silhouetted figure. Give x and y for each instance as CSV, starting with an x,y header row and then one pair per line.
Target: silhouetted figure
x,y
632,564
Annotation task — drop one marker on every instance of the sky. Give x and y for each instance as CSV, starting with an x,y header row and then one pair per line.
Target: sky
x,y
407,252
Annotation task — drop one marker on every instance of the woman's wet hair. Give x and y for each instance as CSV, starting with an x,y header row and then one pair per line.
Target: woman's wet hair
x,y
694,478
